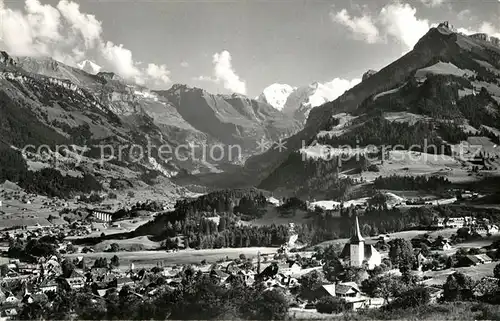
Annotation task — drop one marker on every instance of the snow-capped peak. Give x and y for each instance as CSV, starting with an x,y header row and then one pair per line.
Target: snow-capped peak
x,y
276,95
89,67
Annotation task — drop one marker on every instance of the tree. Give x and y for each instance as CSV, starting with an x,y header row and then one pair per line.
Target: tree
x,y
424,249
329,304
39,249
101,262
67,268
496,271
458,287
384,286
333,269
310,283
70,248
115,261
355,274
412,298
401,254
269,305
4,269
114,247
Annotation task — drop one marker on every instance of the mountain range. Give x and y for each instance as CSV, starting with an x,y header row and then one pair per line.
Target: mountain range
x,y
298,101
46,102
446,90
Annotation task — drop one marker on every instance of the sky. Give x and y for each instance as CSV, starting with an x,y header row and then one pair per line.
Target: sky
x,y
227,46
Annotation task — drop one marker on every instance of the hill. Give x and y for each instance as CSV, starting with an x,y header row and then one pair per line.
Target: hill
x,y
440,94
95,128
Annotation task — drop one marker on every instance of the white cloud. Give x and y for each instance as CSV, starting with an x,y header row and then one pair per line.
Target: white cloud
x,y
489,29
44,20
87,25
66,34
225,74
159,73
465,14
400,22
360,26
486,27
121,60
335,88
395,20
184,64
205,78
17,33
432,3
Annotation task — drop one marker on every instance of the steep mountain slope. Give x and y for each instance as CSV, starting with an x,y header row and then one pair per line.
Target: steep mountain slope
x,y
117,130
425,93
233,119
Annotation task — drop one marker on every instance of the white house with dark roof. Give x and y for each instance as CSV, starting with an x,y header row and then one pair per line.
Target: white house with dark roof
x,y
358,252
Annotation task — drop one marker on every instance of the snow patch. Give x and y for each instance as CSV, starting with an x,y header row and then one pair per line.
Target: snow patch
x,y
146,95
89,67
276,95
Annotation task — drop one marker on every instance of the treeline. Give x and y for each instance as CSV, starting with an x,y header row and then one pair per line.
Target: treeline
x,y
245,201
378,131
201,230
327,225
239,236
313,177
480,109
405,183
214,221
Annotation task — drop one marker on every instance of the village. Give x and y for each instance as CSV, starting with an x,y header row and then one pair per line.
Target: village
x,y
56,265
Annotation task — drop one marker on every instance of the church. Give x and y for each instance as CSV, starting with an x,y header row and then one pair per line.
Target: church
x,y
357,252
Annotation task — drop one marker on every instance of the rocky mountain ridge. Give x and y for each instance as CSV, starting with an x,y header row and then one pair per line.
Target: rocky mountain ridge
x,y
66,105
441,51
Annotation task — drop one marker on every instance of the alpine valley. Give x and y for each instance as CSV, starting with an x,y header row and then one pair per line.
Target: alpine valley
x,y
380,202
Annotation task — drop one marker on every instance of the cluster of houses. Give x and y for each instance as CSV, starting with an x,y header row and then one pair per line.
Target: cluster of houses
x,y
437,244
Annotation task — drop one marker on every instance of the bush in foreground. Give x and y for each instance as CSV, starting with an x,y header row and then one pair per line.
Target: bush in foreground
x,y
330,305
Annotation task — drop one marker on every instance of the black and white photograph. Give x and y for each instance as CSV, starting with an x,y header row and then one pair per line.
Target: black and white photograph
x,y
250,160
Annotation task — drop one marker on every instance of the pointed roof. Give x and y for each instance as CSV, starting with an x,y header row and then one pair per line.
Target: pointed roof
x,y
356,238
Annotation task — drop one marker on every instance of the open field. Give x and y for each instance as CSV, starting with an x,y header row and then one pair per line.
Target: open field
x,y
404,235
149,259
410,163
475,272
123,226
140,243
304,314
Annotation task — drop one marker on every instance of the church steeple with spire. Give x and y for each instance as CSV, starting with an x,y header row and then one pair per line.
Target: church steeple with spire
x,y
357,246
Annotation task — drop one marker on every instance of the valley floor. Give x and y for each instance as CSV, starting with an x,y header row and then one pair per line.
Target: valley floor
x,y
149,259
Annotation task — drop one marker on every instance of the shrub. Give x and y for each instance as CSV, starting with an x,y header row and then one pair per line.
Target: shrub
x,y
329,304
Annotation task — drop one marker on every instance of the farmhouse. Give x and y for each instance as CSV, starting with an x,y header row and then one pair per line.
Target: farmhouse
x,y
441,245
358,252
75,280
349,291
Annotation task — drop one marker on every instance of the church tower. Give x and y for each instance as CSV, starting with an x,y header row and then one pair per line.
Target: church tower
x,y
357,247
